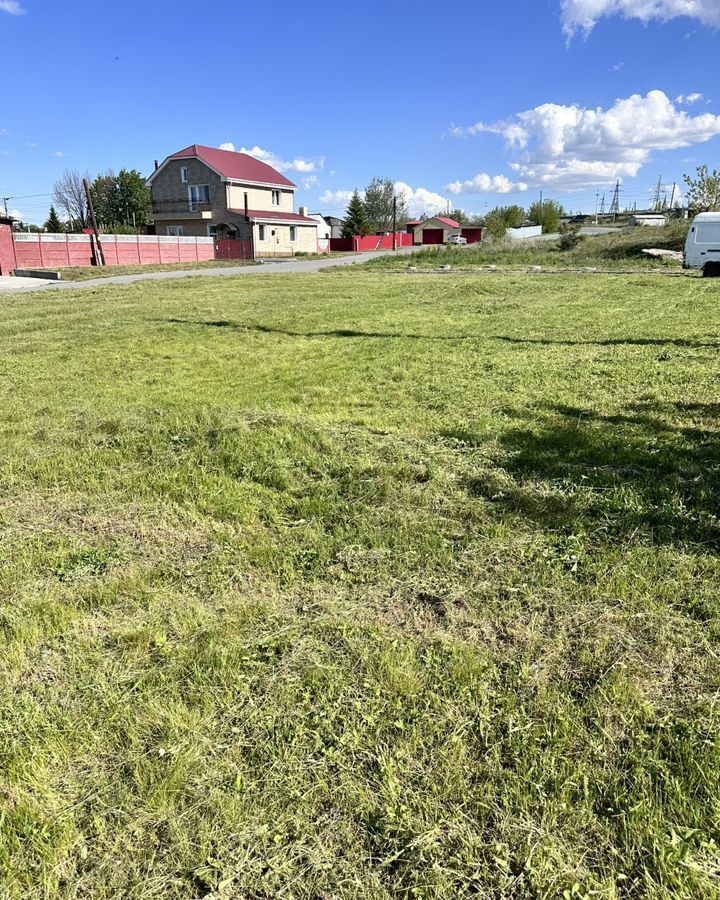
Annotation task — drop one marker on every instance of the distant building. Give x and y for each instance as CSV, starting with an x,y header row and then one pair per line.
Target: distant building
x,y
336,226
433,231
649,220
324,227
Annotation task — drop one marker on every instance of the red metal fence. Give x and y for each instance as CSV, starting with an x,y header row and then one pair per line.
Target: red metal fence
x,y
358,244
7,249
57,251
227,248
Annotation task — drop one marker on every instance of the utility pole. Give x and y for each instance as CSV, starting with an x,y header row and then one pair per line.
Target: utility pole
x,y
658,191
615,205
5,200
597,200
602,207
86,185
672,198
394,222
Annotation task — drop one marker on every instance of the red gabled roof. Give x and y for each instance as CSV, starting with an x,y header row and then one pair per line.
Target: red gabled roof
x,y
274,214
451,223
235,166
414,222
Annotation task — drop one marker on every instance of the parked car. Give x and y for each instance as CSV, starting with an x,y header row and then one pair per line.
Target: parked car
x,y
457,239
702,248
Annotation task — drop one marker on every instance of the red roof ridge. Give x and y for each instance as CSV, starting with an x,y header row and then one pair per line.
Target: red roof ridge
x,y
234,165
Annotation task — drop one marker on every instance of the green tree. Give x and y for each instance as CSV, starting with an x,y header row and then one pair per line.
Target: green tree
x,y
121,200
703,192
460,216
379,196
53,223
498,220
356,220
546,213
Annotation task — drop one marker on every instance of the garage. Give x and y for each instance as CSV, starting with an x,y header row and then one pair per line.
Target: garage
x,y
433,236
435,230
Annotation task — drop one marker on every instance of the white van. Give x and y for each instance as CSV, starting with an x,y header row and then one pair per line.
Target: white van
x,y
702,248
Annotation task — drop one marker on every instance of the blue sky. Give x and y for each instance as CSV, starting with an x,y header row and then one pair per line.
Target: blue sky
x,y
475,103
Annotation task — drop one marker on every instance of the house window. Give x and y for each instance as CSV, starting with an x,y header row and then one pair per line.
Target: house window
x,y
212,231
175,230
293,233
183,173
276,198
261,232
197,194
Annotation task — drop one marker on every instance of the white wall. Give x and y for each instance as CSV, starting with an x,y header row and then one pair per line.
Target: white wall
x,y
522,234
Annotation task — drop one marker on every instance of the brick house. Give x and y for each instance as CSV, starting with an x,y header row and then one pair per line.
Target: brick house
x,y
201,191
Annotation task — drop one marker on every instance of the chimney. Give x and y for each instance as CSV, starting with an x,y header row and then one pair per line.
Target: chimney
x,y
247,216
156,165
303,210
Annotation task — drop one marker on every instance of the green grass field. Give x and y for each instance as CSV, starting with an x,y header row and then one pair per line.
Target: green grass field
x,y
348,585
617,251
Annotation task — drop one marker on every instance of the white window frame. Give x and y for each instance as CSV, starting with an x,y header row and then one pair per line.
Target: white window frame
x,y
293,234
193,204
183,174
276,198
212,231
175,231
262,234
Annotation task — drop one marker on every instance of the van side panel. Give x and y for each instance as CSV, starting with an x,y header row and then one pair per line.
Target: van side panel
x,y
708,233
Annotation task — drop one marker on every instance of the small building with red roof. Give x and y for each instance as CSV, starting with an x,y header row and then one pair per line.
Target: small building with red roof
x,y
435,230
201,191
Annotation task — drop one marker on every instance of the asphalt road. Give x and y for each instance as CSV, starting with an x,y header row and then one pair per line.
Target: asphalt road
x,y
26,285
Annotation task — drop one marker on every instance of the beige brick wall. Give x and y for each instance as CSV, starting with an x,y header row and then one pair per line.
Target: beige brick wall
x,y
167,185
259,198
279,244
190,227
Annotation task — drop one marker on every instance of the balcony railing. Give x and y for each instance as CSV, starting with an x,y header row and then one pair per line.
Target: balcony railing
x,y
181,206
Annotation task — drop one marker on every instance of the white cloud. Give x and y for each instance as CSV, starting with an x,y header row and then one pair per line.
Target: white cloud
x,y
335,200
689,99
570,147
32,144
486,184
15,214
59,153
12,7
309,181
421,200
418,200
299,164
583,15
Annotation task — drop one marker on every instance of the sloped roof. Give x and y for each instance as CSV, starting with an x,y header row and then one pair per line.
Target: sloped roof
x,y
272,215
451,223
235,166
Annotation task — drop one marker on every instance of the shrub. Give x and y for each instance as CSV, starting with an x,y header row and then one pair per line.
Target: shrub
x,y
570,236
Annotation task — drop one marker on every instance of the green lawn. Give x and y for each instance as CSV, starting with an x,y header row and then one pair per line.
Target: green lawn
x,y
348,585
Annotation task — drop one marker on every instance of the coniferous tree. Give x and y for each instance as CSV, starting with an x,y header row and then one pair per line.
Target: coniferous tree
x,y
53,223
356,221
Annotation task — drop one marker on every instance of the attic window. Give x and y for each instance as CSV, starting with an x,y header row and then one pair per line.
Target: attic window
x,y
183,174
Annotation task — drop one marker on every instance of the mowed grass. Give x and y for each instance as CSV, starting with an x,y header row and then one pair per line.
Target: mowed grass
x,y
348,585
